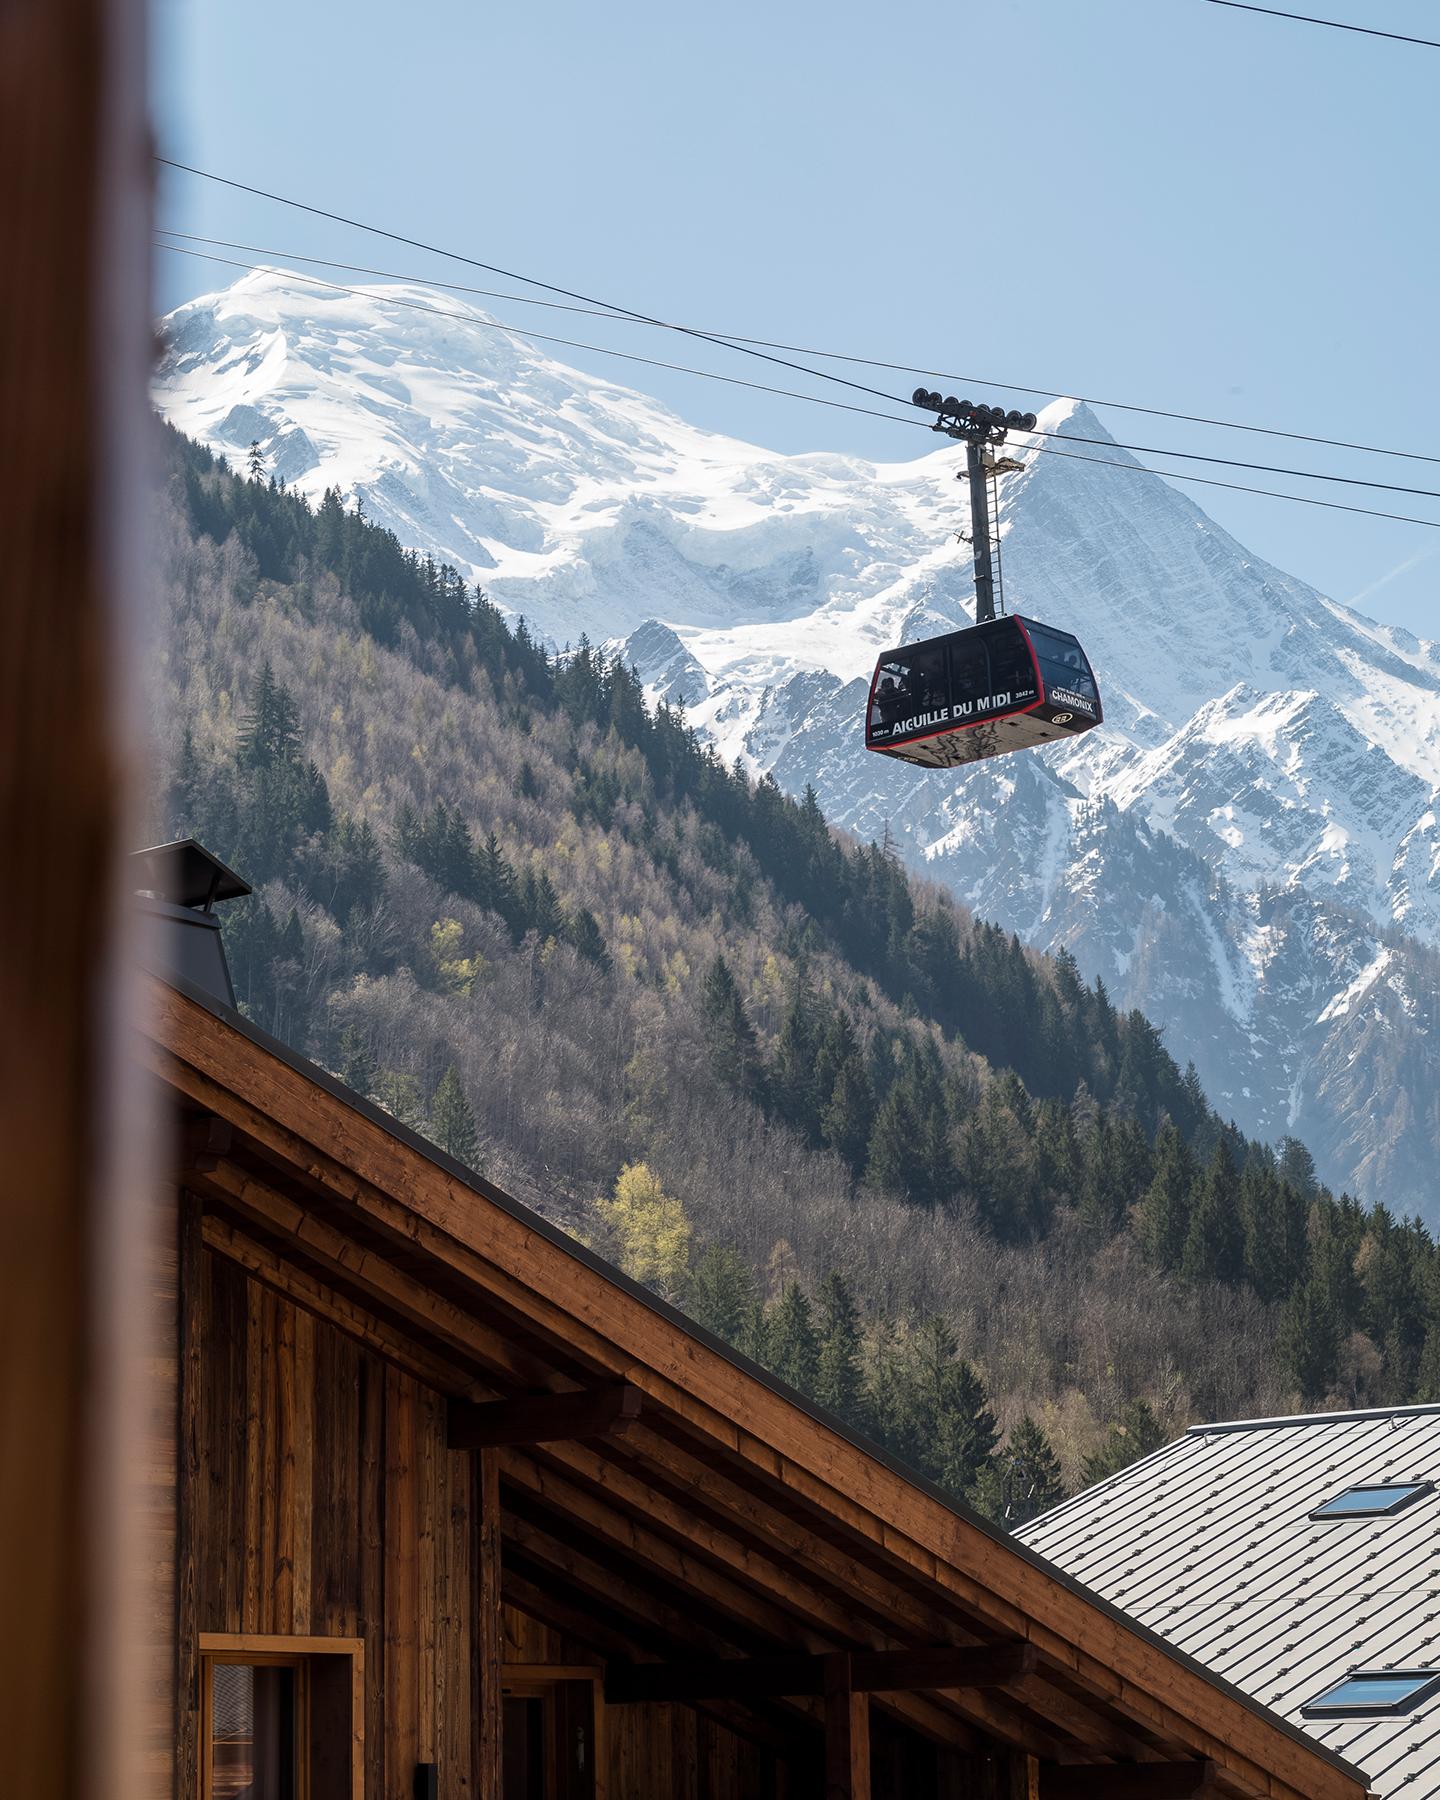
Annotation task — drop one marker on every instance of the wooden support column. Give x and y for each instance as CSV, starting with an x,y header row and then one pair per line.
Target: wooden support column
x,y
847,1733
1024,1777
488,1637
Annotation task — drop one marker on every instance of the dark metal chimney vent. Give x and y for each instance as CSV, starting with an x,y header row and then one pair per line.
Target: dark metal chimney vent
x,y
177,886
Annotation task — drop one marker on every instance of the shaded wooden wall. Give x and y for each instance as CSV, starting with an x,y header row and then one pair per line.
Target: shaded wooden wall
x,y
322,1501
318,1498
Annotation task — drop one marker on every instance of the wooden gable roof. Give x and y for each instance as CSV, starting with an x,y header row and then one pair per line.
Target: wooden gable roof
x,y
726,1518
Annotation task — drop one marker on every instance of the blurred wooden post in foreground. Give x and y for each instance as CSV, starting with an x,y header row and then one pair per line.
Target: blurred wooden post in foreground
x,y
74,181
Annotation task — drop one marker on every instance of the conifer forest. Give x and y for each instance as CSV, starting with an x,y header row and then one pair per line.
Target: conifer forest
x,y
934,1181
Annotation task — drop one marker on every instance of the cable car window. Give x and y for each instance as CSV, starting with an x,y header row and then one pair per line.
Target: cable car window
x,y
969,670
908,683
1062,661
1011,671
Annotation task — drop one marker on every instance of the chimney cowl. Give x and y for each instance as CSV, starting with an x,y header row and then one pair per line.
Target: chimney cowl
x,y
177,886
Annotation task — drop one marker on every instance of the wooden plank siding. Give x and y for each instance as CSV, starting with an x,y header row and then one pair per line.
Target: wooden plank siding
x,y
341,1290
320,1500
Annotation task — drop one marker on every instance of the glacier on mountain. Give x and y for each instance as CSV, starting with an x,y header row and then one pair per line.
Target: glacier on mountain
x,y
1248,849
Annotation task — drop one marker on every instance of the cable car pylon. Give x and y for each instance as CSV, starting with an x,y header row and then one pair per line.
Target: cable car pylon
x,y
1004,683
978,427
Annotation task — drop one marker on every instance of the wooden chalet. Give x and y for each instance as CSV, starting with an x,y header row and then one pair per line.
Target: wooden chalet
x,y
454,1509
432,1502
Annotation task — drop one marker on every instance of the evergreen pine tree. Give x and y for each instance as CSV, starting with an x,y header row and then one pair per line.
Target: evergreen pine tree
x,y
1309,1340
290,947
1164,1217
271,730
495,884
721,1293
754,1338
793,1085
849,1115
733,1052
936,1177
541,907
794,1350
882,1391
1268,1260
1391,1310
1000,1157
585,934
357,1066
838,1380
1427,1376
1134,1162
1021,1480
1215,1242
1297,1168
891,1161
1059,1169
836,1047
452,1122
951,1428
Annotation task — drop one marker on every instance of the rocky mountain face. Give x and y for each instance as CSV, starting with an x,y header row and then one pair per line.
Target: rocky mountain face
x,y
1248,849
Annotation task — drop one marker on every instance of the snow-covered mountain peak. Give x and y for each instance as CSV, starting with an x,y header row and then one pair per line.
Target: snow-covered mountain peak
x,y
1259,806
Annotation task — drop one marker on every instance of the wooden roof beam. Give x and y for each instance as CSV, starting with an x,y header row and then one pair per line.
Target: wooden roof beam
x,y
1133,1781
603,1412
780,1731
673,1552
356,1269
870,1672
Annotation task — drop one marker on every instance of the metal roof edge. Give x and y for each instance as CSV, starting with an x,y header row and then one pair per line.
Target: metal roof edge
x,y
536,1222
1286,1420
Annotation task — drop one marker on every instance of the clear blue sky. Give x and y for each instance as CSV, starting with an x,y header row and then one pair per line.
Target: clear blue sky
x,y
1163,201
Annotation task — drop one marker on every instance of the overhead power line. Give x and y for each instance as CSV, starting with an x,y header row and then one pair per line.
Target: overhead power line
x,y
795,393
540,337
1239,487
1073,437
759,347
1396,37
869,362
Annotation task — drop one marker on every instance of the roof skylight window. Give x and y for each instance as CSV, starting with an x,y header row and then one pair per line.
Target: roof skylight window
x,y
1378,1500
1375,1694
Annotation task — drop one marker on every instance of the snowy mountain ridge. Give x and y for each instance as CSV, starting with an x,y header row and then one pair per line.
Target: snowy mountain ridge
x,y
1258,813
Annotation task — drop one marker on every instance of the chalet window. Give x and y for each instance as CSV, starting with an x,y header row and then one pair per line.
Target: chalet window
x,y
280,1718
1376,1500
1375,1694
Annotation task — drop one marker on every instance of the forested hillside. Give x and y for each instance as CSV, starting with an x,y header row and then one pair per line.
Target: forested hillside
x,y
933,1179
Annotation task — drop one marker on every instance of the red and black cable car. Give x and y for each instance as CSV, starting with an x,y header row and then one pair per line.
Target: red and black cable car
x,y
1006,684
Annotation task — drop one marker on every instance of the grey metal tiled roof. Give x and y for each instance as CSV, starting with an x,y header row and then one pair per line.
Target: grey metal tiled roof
x,y
1208,1543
